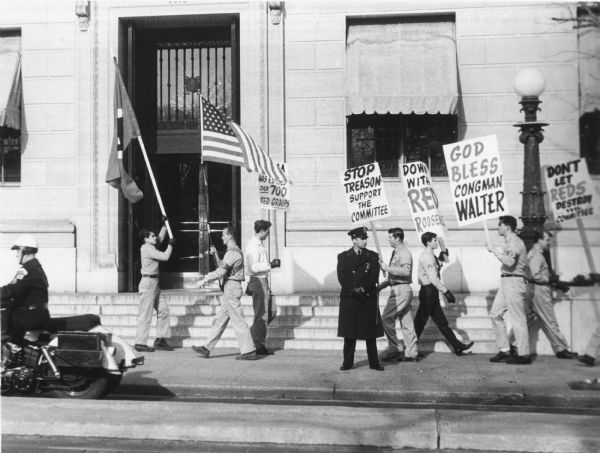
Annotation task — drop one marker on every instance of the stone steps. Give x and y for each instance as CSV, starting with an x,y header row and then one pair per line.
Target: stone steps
x,y
304,321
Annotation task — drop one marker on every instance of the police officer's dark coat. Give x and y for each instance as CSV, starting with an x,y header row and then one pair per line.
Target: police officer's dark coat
x,y
359,316
27,297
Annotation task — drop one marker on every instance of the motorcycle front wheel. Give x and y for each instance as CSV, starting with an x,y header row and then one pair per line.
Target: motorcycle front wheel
x,y
81,385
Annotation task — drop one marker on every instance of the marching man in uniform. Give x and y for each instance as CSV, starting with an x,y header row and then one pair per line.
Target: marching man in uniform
x,y
231,270
511,294
149,290
359,317
398,305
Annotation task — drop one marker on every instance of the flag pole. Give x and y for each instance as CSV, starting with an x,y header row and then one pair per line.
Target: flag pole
x,y
158,197
141,141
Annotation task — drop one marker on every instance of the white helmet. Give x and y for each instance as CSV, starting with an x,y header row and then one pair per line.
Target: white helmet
x,y
27,243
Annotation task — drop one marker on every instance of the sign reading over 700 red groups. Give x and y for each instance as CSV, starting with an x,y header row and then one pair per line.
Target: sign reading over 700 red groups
x,y
273,194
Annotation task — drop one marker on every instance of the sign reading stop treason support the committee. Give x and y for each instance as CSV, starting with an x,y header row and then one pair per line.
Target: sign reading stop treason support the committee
x,y
365,194
273,193
422,199
476,179
570,190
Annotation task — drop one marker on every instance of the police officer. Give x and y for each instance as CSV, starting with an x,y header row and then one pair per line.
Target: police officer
x,y
359,317
27,294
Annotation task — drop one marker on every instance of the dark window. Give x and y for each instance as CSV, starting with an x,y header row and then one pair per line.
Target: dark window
x,y
587,24
10,138
392,140
589,139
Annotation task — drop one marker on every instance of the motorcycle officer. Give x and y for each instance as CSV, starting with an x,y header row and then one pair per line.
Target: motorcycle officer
x,y
26,296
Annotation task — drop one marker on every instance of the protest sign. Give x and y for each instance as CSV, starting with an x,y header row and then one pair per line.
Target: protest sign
x,y
273,194
422,199
365,193
570,190
476,179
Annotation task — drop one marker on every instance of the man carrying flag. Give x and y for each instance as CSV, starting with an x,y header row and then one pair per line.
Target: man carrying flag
x,y
126,130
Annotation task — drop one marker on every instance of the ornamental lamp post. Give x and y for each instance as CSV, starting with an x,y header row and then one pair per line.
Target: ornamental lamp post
x,y
530,84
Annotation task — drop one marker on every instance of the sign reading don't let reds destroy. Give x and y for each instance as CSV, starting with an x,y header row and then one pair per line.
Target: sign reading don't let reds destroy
x,y
363,188
476,179
570,190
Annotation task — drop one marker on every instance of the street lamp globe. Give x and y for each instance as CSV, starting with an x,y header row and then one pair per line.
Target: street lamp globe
x,y
530,82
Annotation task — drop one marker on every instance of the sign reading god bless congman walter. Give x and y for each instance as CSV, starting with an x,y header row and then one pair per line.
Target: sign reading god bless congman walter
x,y
363,187
476,179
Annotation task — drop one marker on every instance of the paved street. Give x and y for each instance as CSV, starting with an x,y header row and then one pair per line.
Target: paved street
x,y
300,398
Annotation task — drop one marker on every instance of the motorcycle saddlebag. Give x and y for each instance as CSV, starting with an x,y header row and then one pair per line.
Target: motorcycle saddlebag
x,y
79,322
79,349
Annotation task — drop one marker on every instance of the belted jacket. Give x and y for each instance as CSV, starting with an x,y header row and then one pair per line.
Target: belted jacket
x,y
359,316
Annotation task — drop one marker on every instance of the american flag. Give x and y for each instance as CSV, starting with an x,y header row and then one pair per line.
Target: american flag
x,y
219,143
256,159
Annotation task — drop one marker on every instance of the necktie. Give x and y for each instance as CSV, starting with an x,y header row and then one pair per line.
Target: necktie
x,y
393,255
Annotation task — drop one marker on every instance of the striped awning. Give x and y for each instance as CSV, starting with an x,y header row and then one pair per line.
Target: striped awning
x,y
404,67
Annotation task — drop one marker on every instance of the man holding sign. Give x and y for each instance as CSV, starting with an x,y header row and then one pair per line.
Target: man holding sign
x,y
511,294
429,294
398,305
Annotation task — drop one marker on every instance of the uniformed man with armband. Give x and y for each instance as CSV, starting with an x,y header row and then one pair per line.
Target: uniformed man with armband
x,y
511,294
231,270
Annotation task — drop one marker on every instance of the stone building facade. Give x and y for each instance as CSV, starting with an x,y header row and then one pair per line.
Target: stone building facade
x,y
288,72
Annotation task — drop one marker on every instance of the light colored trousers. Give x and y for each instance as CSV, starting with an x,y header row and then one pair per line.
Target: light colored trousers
x,y
398,306
511,297
231,309
594,344
150,300
540,309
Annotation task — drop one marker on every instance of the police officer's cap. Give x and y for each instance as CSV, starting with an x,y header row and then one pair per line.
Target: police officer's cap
x,y
360,232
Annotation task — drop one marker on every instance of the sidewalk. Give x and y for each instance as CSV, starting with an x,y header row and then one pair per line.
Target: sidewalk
x,y
315,375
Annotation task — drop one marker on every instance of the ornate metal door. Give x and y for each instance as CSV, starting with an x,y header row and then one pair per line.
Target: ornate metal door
x,y
172,68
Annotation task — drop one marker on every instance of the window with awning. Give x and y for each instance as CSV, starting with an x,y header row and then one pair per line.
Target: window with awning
x,y
407,66
10,106
401,90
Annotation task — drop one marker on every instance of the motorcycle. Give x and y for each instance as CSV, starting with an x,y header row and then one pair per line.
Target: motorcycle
x,y
76,358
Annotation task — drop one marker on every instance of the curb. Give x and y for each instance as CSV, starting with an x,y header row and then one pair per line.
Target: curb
x,y
363,397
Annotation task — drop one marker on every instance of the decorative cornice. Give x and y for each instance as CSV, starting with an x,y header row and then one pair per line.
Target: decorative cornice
x,y
82,11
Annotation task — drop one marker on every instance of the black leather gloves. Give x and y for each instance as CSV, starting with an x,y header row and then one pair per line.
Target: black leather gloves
x,y
450,297
163,218
275,263
172,242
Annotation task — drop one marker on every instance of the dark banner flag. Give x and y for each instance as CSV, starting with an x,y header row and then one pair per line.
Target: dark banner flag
x,y
126,130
